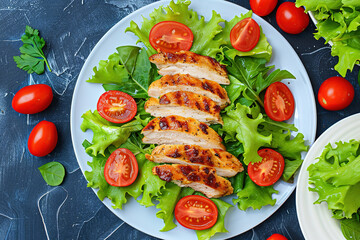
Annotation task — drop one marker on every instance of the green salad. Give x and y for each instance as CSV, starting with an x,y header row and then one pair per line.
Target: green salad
x,y
338,22
246,127
336,179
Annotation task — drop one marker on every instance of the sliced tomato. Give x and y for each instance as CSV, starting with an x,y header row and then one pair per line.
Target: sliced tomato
x,y
269,170
196,212
171,36
279,102
121,168
245,35
116,106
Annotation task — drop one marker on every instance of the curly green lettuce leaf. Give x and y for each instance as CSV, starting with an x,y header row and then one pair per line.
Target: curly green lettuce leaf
x,y
204,42
219,226
313,5
339,191
105,133
254,196
262,49
237,124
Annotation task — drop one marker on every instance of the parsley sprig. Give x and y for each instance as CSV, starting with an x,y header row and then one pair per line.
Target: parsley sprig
x,y
32,57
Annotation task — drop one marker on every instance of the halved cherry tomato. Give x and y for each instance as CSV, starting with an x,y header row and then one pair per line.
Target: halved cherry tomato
x,y
263,7
116,106
269,170
245,35
196,212
121,168
335,93
291,19
42,139
279,102
32,99
171,36
277,236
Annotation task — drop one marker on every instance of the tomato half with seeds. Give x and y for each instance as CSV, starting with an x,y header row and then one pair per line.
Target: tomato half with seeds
x,y
279,102
245,35
171,36
116,106
121,168
269,170
196,212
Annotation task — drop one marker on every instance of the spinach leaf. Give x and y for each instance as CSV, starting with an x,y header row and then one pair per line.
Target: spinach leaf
x,y
350,228
53,173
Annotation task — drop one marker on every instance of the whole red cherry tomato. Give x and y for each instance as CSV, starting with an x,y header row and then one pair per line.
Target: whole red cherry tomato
x,y
245,35
277,236
263,7
335,93
291,19
32,99
42,139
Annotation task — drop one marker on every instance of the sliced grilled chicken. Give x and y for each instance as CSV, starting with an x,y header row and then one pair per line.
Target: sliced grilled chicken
x,y
226,164
185,104
199,178
180,130
186,62
181,82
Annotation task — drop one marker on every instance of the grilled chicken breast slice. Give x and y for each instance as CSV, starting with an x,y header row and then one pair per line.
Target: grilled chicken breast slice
x,y
199,178
186,62
225,164
182,82
179,130
185,104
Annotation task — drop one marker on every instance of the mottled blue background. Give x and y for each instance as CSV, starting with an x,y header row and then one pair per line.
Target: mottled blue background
x,y
29,208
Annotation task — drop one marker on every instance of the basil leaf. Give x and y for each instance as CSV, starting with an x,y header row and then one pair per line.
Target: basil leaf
x,y
53,173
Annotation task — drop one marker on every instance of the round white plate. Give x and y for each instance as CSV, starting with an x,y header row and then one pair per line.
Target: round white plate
x,y
86,95
316,220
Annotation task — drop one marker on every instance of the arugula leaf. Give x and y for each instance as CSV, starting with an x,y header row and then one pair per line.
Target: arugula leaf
x,y
53,173
204,32
237,124
219,226
254,196
32,57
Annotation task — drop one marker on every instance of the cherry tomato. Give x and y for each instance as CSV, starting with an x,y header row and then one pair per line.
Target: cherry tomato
x,y
263,7
170,36
121,168
335,93
32,99
279,102
269,170
291,19
277,236
245,35
196,212
42,139
116,106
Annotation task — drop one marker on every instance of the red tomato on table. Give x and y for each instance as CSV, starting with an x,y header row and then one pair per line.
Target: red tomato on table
x,y
291,19
121,168
32,99
335,93
245,35
42,139
277,236
269,170
279,102
116,106
196,212
263,7
171,36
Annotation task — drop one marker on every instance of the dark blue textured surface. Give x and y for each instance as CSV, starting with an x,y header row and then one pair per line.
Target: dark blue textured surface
x,y
30,209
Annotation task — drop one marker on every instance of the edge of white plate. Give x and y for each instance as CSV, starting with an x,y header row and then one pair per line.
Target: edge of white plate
x,y
326,227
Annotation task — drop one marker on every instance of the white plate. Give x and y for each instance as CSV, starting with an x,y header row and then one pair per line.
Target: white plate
x,y
316,220
86,95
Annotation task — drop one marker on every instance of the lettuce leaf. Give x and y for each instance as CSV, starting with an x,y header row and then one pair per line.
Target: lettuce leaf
x,y
335,178
254,196
204,42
